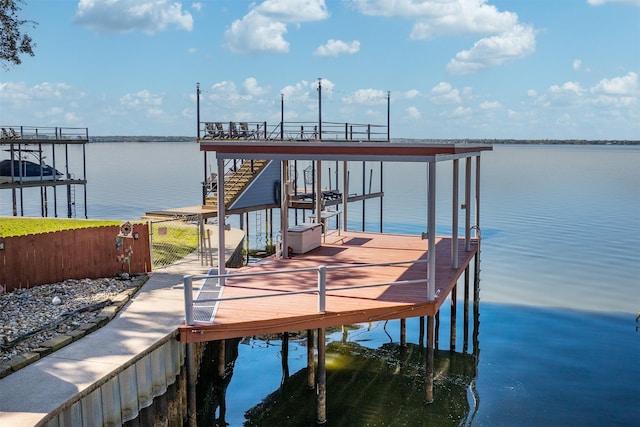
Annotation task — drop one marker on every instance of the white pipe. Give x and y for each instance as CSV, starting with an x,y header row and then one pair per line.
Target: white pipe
x,y
318,218
345,194
221,221
431,230
284,207
454,215
467,205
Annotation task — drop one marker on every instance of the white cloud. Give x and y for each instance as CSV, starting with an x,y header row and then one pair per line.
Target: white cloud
x,y
197,6
601,2
411,93
532,93
366,97
567,88
256,33
626,85
296,91
615,93
518,42
123,16
264,27
143,98
618,92
413,113
293,10
336,47
252,88
460,111
506,39
444,93
490,105
442,17
577,64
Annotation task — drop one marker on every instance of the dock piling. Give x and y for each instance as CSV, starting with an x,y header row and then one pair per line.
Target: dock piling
x,y
452,333
428,378
285,357
310,360
321,387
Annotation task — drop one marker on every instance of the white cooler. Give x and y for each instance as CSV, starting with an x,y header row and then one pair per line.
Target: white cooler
x,y
304,237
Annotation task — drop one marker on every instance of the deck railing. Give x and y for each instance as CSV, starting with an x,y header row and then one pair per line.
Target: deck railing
x,y
321,289
293,131
26,134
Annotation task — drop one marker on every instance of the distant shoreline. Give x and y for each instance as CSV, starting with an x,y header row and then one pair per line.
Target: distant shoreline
x,y
150,138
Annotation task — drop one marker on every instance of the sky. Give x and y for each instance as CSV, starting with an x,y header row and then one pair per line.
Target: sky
x,y
444,69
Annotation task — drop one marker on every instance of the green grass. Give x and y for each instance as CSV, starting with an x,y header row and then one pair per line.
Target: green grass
x,y
178,241
21,226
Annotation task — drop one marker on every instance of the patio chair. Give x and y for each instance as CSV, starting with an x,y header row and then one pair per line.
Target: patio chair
x,y
220,130
233,131
244,129
210,130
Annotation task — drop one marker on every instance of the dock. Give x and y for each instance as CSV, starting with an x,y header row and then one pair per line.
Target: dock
x,y
266,301
337,280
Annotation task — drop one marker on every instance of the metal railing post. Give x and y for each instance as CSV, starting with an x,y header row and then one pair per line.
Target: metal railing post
x,y
322,285
188,300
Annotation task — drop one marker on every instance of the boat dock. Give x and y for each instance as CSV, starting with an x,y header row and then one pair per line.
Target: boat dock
x,y
368,277
316,282
25,167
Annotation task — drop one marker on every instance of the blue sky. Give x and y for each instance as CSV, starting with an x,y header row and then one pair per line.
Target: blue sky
x,y
524,69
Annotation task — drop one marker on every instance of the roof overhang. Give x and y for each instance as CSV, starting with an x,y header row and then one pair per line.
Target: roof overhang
x,y
349,150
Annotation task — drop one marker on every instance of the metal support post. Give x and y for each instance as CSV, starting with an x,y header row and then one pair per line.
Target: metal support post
x,y
188,299
221,222
322,284
454,215
467,205
431,229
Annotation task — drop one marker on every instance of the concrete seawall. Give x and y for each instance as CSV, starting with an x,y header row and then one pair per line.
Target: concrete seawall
x,y
120,367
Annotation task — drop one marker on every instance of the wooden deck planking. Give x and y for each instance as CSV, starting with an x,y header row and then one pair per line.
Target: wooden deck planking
x,y
237,318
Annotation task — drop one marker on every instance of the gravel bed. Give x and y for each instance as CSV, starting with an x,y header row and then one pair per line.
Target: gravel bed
x,y
53,309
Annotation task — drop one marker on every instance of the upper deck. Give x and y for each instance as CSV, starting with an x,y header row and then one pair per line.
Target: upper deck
x,y
323,141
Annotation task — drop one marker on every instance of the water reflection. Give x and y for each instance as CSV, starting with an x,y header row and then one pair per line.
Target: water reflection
x,y
375,387
216,370
381,386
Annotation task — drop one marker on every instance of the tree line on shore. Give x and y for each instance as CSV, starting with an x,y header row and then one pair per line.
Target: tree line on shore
x,y
152,138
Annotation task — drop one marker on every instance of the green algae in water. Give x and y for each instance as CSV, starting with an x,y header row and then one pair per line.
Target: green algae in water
x,y
375,387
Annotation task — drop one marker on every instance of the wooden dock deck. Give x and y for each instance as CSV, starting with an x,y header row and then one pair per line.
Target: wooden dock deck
x,y
347,259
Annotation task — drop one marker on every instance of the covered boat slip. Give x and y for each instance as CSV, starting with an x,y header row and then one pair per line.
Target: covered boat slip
x,y
343,279
367,277
39,157
440,260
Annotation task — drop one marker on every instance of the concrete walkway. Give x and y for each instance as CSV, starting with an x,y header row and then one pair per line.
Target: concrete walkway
x,y
155,311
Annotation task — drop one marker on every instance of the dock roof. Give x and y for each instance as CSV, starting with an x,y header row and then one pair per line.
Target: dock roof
x,y
341,150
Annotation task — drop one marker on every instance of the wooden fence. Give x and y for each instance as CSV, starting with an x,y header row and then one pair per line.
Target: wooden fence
x,y
92,253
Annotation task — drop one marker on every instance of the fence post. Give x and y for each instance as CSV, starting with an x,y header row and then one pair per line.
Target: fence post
x,y
322,279
188,299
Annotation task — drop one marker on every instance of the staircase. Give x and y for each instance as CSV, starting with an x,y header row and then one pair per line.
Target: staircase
x,y
236,181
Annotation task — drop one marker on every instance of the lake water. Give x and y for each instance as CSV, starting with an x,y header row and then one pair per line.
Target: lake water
x,y
560,292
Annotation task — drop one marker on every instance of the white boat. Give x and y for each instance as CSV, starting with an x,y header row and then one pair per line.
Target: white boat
x,y
20,170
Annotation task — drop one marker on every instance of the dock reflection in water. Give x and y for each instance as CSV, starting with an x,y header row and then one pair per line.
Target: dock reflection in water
x,y
381,386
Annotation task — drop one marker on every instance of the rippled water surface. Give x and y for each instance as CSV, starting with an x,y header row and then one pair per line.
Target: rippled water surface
x,y
556,340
